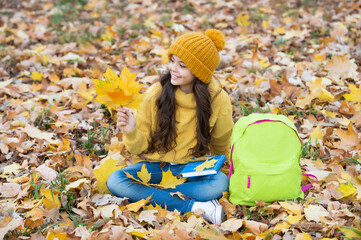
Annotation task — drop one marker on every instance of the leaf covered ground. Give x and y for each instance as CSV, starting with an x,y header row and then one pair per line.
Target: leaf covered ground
x,y
300,58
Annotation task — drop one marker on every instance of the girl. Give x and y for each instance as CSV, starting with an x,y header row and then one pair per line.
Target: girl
x,y
184,115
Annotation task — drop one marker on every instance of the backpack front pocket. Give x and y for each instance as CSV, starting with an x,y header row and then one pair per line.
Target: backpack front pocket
x,y
267,188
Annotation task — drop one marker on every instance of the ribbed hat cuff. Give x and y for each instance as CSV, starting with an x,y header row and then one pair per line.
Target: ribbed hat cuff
x,y
192,62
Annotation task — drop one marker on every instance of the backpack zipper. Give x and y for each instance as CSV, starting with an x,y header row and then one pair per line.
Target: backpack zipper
x,y
268,120
249,182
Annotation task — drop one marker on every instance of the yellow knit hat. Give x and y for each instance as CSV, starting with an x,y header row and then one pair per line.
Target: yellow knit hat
x,y
199,52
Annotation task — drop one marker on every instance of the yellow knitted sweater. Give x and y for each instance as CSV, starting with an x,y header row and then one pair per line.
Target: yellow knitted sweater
x,y
221,124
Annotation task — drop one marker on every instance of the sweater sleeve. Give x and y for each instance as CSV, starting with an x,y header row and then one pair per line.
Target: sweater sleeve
x,y
222,130
137,140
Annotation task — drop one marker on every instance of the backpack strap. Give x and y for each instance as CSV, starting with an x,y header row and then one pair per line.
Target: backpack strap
x,y
304,188
231,171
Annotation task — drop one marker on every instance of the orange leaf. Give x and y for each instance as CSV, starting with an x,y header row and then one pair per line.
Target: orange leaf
x,y
348,140
81,160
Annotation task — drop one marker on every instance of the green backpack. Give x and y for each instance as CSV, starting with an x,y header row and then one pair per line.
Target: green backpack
x,y
265,160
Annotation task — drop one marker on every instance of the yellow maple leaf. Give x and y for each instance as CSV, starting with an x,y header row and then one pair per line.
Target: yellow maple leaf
x,y
242,20
144,175
142,46
87,93
138,205
355,95
346,190
64,145
114,146
135,179
162,212
103,172
51,199
294,219
279,31
205,165
118,91
170,181
318,58
318,90
36,76
316,135
109,34
57,235
265,23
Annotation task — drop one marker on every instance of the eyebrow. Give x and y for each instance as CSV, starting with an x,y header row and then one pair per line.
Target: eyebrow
x,y
180,60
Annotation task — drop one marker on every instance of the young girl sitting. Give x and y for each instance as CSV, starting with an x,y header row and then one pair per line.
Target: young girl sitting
x,y
183,116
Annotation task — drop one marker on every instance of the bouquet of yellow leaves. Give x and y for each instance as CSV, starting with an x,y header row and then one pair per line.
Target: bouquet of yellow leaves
x,y
116,91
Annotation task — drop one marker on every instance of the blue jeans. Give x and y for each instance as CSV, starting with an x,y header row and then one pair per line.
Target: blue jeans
x,y
204,188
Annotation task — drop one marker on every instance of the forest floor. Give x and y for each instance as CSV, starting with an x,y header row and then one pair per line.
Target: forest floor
x,y
300,58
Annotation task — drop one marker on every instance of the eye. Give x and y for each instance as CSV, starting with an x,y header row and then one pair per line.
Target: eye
x,y
182,66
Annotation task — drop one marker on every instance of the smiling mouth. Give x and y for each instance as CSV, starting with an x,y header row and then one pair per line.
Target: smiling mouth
x,y
174,77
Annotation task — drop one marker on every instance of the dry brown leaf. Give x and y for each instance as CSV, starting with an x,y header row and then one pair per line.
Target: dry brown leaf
x,y
47,173
348,140
9,190
341,68
12,225
179,194
232,225
148,216
316,213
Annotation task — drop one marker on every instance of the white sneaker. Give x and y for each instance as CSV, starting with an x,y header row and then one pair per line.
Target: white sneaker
x,y
212,211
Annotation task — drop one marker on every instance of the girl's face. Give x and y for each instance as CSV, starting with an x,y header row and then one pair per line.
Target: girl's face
x,y
180,74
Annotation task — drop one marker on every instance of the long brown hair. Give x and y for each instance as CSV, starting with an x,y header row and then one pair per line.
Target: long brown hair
x,y
164,137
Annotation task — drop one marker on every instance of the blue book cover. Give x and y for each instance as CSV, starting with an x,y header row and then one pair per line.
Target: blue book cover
x,y
205,167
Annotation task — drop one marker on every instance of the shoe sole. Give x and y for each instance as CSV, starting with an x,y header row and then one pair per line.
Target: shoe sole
x,y
219,212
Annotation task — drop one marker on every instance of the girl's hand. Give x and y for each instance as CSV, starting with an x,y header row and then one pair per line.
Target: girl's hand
x,y
125,119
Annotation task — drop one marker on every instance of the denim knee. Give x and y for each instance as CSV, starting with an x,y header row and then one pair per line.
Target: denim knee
x,y
115,183
214,189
